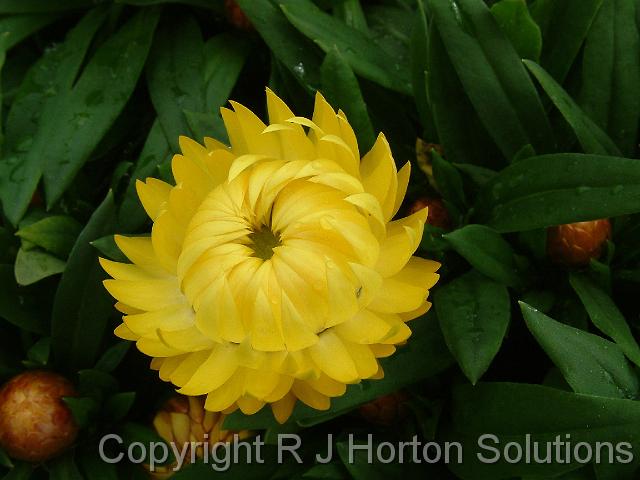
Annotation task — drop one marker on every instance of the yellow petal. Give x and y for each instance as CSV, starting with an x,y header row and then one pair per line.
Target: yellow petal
x,y
311,397
172,317
169,365
227,394
154,195
147,295
212,144
188,339
140,251
283,408
123,332
261,383
408,289
327,386
251,128
281,390
402,240
155,348
126,309
218,316
167,237
363,358
192,175
403,182
214,372
332,357
382,350
128,271
365,327
378,173
347,134
249,405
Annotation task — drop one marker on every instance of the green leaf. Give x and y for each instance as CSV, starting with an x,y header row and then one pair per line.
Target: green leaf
x,y
564,27
175,76
9,245
493,76
95,468
38,6
605,315
83,409
515,21
16,28
487,252
561,188
56,234
326,471
96,384
5,461
156,150
474,315
41,91
326,31
196,3
478,175
15,306
460,131
542,300
224,58
107,246
611,73
81,305
112,357
351,13
340,86
360,467
419,68
118,405
90,108
39,351
515,411
33,265
424,355
295,52
589,363
21,471
64,468
449,181
591,137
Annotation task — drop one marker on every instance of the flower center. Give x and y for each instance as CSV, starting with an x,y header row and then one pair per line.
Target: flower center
x,y
263,242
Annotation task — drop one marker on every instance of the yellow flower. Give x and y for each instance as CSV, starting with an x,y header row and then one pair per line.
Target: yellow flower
x,y
273,272
184,422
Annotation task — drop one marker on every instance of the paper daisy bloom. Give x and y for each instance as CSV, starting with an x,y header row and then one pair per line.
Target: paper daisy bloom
x,y
274,271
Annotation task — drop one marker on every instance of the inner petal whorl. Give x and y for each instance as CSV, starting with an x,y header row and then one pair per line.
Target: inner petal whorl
x,y
263,241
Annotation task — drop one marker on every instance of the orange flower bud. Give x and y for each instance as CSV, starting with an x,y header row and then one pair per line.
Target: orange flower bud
x,y
35,423
575,244
438,215
385,410
236,16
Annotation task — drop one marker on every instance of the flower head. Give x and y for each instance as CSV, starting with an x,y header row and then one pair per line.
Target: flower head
x,y
575,244
196,433
35,423
274,271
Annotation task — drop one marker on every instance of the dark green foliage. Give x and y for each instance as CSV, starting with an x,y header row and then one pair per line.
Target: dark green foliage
x,y
536,104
